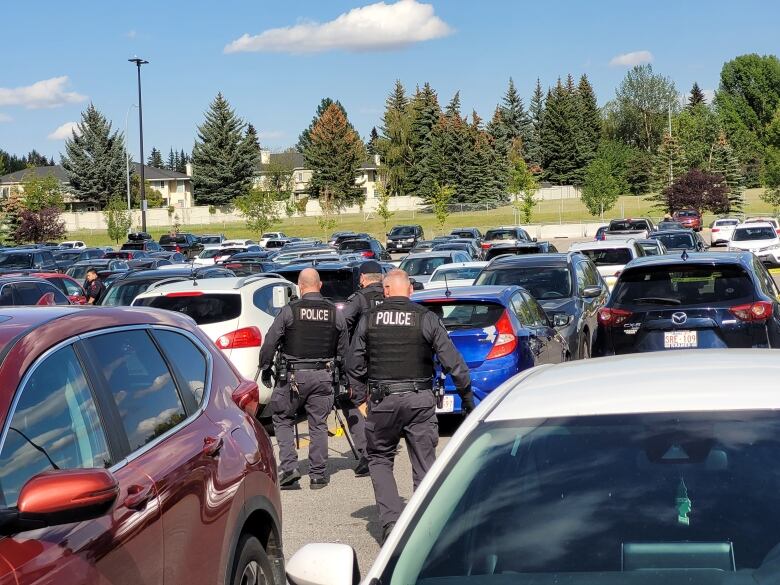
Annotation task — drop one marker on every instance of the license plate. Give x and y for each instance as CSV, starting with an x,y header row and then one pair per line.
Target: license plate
x,y
448,404
399,245
680,339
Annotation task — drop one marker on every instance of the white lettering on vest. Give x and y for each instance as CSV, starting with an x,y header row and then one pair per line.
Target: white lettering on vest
x,y
315,314
394,318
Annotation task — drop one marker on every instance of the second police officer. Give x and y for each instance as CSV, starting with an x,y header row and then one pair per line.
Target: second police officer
x,y
311,335
370,295
393,349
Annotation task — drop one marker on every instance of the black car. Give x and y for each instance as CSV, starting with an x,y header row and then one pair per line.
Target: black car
x,y
247,263
467,232
669,224
23,290
366,247
402,238
125,287
187,244
568,286
66,258
173,257
142,245
340,280
690,301
519,249
103,266
15,259
126,255
148,263
679,240
423,246
349,236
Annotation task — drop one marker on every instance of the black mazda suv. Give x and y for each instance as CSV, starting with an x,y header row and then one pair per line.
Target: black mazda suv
x,y
663,303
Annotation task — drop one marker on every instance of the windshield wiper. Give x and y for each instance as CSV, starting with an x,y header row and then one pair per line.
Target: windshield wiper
x,y
657,301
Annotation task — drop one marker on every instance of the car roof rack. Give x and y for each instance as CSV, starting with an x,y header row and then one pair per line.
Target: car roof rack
x,y
243,281
169,280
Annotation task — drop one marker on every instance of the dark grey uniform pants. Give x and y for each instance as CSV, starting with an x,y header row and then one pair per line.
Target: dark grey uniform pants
x,y
315,394
411,415
355,419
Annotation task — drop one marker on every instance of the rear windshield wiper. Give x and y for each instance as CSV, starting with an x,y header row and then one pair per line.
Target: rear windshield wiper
x,y
657,301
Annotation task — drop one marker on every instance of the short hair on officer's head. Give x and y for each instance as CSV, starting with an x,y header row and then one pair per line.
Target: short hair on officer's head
x,y
372,277
397,283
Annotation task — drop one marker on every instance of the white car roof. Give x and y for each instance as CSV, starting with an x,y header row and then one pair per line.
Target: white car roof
x,y
620,243
727,219
663,381
754,224
212,285
456,265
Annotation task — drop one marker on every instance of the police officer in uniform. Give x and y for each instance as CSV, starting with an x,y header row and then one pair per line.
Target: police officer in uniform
x,y
312,336
393,348
371,294
94,286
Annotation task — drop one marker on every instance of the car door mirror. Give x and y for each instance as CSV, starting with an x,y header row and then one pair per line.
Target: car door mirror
x,y
63,496
561,320
324,564
416,285
591,292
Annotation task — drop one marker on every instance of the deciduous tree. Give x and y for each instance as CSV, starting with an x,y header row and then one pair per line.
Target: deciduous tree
x,y
698,190
260,209
40,226
118,218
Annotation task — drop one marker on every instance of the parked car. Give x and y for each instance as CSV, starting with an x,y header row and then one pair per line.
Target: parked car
x,y
667,480
422,246
141,245
72,244
567,286
187,244
248,263
770,220
211,239
29,290
505,235
276,244
270,236
340,279
172,257
335,235
476,246
467,232
15,259
601,233
402,238
722,229
291,257
206,257
127,255
421,266
705,301
234,312
118,427
465,247
64,283
148,263
226,252
689,218
238,242
653,247
103,266
636,228
368,248
519,249
457,274
679,240
128,285
669,224
499,331
66,258
760,238
610,257
340,239
139,236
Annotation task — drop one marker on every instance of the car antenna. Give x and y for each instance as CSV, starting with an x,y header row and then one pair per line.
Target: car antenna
x,y
447,292
684,255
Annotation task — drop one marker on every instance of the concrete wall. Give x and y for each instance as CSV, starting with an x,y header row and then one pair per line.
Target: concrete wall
x,y
558,192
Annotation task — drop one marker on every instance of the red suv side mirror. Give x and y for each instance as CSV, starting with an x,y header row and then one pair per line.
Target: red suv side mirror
x,y
61,497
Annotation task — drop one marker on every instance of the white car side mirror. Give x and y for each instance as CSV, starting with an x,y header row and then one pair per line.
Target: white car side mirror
x,y
324,564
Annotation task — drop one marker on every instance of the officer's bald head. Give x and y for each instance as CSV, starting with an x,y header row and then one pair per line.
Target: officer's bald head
x,y
309,281
397,284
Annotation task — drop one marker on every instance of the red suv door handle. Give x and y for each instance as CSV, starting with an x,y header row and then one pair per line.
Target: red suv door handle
x,y
212,446
137,496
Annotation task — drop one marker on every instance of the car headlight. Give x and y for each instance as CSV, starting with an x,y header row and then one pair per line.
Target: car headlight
x,y
410,240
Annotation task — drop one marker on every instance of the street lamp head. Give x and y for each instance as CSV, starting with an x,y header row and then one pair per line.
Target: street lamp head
x,y
138,61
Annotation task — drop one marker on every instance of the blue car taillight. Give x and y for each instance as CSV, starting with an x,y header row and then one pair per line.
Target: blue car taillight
x,y
506,341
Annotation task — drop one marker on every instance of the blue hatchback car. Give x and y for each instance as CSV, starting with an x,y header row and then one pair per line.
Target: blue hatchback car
x,y
499,330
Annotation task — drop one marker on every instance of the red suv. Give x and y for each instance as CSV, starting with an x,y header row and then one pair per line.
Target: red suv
x,y
689,218
126,457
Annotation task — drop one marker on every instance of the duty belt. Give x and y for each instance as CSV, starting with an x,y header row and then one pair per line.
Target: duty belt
x,y
392,387
323,364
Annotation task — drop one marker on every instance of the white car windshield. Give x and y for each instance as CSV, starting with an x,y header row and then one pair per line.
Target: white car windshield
x,y
754,233
645,498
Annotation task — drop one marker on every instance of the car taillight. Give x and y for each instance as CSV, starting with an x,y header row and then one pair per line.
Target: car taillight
x,y
486,245
247,396
613,317
715,230
178,249
367,254
758,311
246,337
506,342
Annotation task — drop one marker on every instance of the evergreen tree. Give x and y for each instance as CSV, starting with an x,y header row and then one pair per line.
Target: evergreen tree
x,y
334,154
183,160
451,144
155,159
590,119
517,124
171,165
223,161
533,148
303,139
394,146
373,141
560,158
95,159
503,163
696,97
724,161
669,163
252,144
425,112
479,182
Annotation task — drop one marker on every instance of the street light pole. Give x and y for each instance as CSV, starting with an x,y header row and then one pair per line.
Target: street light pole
x,y
138,62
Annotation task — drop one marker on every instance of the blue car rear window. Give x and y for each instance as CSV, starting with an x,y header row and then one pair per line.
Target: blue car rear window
x,y
457,314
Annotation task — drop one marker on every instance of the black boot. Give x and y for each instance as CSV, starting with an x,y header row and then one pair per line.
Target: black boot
x,y
288,480
361,469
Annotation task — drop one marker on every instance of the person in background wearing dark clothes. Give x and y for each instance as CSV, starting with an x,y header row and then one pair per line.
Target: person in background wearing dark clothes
x,y
393,350
94,287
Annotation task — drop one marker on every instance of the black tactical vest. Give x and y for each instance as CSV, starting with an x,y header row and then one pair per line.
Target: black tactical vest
x,y
373,295
396,347
312,334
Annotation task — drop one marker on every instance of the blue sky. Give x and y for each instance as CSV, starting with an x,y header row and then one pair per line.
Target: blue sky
x,y
298,52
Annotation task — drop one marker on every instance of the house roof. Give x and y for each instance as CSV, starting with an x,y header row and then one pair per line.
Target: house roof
x,y
150,173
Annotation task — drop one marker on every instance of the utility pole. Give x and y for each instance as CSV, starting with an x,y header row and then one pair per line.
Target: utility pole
x,y
138,62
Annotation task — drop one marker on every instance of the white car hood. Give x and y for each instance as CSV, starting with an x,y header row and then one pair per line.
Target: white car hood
x,y
752,245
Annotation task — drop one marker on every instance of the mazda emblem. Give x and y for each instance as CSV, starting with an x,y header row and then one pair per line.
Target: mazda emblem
x,y
679,318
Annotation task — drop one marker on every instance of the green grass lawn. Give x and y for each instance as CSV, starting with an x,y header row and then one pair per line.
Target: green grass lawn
x,y
546,212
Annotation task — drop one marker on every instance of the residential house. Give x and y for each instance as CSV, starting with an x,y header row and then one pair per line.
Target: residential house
x,y
176,188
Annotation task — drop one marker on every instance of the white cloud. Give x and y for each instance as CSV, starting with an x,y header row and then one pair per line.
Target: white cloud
x,y
64,131
131,34
48,93
631,59
376,27
5,118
